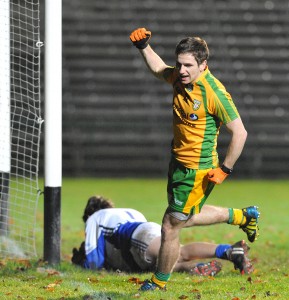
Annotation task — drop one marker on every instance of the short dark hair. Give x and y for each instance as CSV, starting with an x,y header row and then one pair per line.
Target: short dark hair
x,y
94,204
194,45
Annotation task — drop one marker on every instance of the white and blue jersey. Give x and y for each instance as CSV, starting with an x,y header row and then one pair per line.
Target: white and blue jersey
x,y
110,228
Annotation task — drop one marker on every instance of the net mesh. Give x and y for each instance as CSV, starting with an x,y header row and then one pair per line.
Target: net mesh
x,y
19,187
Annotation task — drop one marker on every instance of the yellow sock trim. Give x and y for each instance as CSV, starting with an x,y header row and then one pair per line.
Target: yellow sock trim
x,y
160,283
238,217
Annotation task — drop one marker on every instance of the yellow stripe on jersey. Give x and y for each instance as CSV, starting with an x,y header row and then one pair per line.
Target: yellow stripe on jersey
x,y
199,110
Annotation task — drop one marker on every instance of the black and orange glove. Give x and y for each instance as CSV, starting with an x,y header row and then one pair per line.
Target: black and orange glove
x,y
218,175
140,37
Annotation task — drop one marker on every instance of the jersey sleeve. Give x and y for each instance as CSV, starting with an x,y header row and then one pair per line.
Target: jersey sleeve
x,y
94,246
223,106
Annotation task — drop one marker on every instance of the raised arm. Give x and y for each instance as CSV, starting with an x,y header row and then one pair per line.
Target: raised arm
x,y
156,65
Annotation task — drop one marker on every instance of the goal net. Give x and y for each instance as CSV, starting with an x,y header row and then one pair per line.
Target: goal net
x,y
20,125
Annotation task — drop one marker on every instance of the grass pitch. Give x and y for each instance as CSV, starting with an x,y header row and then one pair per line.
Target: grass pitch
x,y
36,280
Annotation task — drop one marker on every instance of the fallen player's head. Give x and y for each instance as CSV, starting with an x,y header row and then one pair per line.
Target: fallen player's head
x,y
94,204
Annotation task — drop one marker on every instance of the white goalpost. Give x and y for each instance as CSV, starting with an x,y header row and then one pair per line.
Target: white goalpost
x,y
5,148
20,125
53,131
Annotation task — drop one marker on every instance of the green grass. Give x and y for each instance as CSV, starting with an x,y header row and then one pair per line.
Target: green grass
x,y
20,280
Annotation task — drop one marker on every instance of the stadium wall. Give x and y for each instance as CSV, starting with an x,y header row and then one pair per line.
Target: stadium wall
x,y
117,116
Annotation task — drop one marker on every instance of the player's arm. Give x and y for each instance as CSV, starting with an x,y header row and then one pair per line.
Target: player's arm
x,y
238,139
140,38
235,148
94,246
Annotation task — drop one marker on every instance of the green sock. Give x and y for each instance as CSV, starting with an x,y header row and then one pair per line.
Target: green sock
x,y
160,278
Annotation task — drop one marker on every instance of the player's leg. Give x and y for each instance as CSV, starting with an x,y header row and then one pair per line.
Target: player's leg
x,y
170,243
209,215
168,253
189,253
186,194
246,218
145,245
236,253
197,250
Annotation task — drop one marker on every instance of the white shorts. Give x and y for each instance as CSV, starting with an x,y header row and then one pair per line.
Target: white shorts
x,y
140,240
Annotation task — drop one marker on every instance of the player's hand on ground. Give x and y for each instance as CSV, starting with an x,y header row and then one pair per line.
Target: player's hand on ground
x,y
78,256
217,175
140,37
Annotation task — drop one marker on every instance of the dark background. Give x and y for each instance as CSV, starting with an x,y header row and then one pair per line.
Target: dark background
x,y
117,116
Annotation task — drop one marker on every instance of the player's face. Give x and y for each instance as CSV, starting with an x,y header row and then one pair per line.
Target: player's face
x,y
188,68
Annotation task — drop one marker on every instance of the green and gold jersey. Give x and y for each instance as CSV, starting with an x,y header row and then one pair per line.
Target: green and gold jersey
x,y
199,110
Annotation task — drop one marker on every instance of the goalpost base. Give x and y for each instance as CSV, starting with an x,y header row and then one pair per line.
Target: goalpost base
x,y
52,234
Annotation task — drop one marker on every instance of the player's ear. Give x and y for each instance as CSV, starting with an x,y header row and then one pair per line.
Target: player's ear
x,y
203,66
